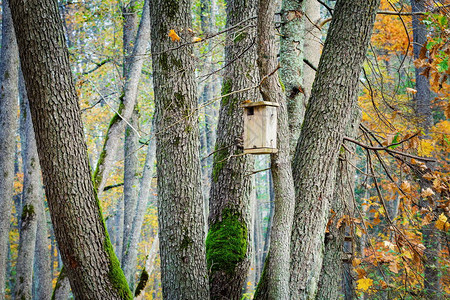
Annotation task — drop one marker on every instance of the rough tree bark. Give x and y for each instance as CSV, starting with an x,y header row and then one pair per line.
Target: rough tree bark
x,y
327,116
84,244
180,202
9,74
274,283
335,277
228,242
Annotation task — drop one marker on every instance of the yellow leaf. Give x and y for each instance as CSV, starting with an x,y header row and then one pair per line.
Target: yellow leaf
x,y
356,262
173,35
426,147
249,283
364,283
406,186
196,39
442,223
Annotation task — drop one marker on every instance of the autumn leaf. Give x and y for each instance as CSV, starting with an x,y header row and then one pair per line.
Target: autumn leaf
x,y
393,267
364,284
196,39
410,90
427,193
442,223
426,147
174,36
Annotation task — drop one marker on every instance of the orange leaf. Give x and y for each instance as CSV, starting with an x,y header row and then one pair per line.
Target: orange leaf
x,y
173,35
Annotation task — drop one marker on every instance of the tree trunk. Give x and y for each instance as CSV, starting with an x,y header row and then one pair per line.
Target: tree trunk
x,y
32,194
129,259
228,245
291,61
335,277
423,102
9,74
127,103
85,247
274,283
42,261
328,115
180,202
131,184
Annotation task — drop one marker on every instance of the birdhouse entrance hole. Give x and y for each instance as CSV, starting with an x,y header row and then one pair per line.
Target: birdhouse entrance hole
x,y
260,127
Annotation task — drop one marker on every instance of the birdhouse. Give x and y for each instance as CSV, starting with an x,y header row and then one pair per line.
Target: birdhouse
x,y
260,127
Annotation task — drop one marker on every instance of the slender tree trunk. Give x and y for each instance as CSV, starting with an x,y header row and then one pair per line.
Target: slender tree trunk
x,y
422,102
228,247
9,74
327,117
180,202
312,47
32,194
130,244
131,184
291,61
274,283
127,103
42,261
62,288
86,250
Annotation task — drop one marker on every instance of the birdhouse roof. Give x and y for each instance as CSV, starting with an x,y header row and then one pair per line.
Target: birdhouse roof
x,y
259,103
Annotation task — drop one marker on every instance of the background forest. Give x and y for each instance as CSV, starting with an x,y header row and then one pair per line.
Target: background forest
x,y
160,85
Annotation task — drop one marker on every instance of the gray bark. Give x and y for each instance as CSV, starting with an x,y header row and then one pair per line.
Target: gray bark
x,y
42,260
126,107
228,246
274,283
62,288
336,276
32,194
84,244
327,116
291,61
9,74
312,46
131,183
180,201
130,244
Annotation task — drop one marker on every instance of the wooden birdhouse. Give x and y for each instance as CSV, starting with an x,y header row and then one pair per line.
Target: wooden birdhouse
x,y
260,127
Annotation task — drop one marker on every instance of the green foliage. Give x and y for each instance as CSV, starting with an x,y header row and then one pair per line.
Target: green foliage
x,y
226,244
27,213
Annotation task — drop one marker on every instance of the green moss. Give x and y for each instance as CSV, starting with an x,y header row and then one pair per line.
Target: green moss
x,y
282,84
240,37
97,176
5,75
220,159
115,274
227,86
226,244
27,213
142,282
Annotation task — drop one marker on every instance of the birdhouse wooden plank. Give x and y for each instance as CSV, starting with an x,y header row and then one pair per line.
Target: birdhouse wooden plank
x,y
260,127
